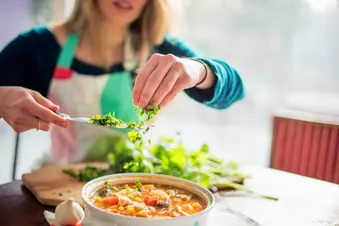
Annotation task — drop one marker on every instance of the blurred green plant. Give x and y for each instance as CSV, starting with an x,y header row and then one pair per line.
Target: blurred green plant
x,y
169,157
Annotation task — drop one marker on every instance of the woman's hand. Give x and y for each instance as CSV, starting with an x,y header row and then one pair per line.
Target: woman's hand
x,y
24,109
164,76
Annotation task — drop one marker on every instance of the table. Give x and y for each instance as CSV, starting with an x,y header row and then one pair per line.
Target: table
x,y
19,207
302,201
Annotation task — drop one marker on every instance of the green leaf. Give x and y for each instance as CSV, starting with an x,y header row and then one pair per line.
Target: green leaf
x,y
138,185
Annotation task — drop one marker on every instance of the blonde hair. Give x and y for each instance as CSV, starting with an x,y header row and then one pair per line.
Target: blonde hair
x,y
146,32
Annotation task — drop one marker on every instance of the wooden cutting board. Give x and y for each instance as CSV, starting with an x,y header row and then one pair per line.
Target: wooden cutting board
x,y
51,186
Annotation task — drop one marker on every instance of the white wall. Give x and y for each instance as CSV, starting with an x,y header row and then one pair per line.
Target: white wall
x,y
278,46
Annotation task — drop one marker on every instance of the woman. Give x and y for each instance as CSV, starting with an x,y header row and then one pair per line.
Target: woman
x,y
96,52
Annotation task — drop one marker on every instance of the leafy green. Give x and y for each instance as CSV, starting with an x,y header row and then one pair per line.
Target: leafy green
x,y
86,174
108,185
149,113
170,157
106,120
135,136
138,185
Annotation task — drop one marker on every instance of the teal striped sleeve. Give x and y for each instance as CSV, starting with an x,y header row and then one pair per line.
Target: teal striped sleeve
x,y
228,88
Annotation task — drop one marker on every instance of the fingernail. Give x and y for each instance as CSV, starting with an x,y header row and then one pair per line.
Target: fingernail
x,y
56,107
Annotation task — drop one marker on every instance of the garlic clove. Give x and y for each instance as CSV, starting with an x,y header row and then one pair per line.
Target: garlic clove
x,y
69,213
50,218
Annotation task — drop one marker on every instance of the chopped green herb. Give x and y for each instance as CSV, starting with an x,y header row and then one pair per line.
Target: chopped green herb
x,y
134,135
86,174
108,185
60,194
132,125
138,185
149,113
71,173
106,120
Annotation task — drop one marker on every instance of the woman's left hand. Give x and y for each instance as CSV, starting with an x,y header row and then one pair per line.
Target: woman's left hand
x,y
163,77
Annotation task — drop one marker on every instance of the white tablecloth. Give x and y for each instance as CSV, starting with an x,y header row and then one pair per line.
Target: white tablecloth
x,y
302,201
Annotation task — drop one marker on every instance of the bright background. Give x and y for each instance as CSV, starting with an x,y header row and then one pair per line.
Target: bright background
x,y
280,47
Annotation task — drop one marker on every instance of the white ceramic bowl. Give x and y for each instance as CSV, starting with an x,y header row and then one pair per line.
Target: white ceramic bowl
x,y
95,216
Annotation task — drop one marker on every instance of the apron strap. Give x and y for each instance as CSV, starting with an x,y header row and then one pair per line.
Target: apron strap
x,y
66,56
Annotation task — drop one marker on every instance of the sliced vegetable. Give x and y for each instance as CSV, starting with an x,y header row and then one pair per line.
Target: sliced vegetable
x,y
160,194
124,201
148,186
142,213
151,200
170,192
113,200
139,206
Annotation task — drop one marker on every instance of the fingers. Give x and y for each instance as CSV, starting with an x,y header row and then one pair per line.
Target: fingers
x,y
28,125
44,101
178,87
39,111
142,77
40,124
25,109
155,86
167,84
152,84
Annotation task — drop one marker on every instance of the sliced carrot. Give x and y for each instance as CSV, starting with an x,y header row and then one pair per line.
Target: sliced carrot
x,y
111,200
151,200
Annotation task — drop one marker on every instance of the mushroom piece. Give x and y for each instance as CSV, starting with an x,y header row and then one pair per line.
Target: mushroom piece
x,y
103,192
163,204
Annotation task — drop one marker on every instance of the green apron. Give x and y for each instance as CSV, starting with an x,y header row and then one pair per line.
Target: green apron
x,y
82,95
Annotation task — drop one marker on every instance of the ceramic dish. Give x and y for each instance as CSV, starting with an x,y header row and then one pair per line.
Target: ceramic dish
x,y
96,216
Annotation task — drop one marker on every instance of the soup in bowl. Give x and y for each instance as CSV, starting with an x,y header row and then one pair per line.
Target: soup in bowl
x,y
140,199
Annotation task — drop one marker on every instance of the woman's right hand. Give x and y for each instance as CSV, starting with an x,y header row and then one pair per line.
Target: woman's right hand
x,y
24,109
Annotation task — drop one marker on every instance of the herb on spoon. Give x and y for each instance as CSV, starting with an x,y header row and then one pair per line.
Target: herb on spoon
x,y
107,120
135,136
